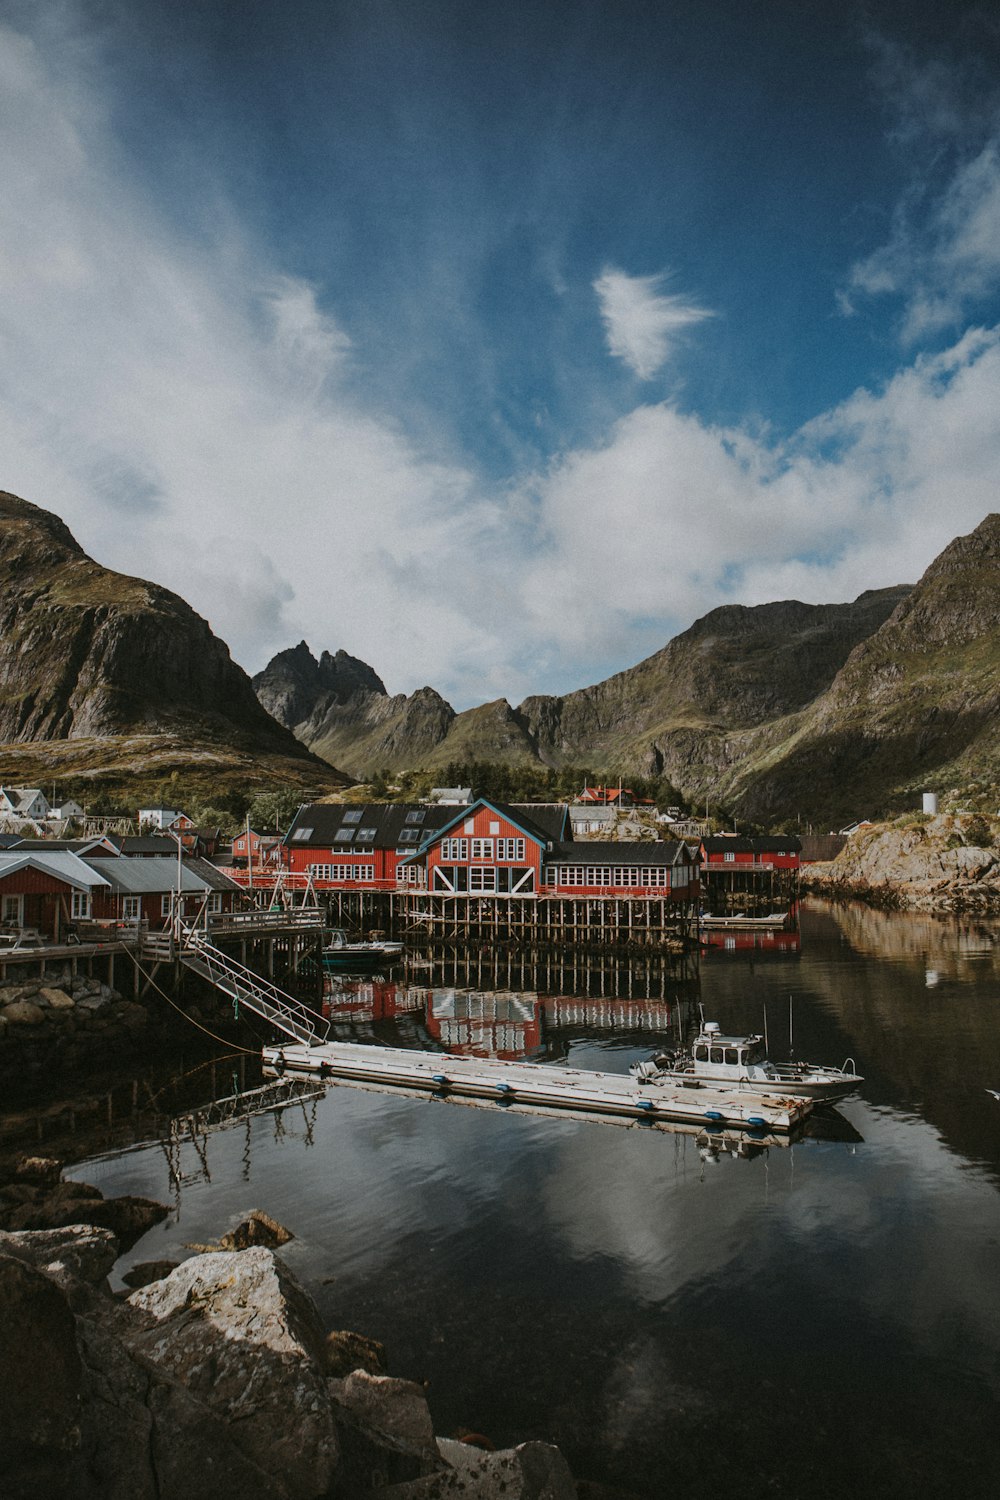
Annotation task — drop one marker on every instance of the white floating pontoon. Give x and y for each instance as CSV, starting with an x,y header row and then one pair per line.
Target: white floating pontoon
x,y
541,1085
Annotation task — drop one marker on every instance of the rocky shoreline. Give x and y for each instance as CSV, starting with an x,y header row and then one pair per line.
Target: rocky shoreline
x,y
211,1378
949,864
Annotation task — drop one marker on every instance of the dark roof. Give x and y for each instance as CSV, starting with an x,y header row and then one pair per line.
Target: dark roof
x,y
607,852
782,843
144,844
214,878
317,825
551,817
10,840
542,821
74,846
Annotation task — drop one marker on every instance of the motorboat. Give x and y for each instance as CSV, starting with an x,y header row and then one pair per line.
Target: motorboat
x,y
720,1060
344,952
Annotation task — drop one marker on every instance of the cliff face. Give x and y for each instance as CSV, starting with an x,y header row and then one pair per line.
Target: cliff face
x,y
914,705
86,653
736,667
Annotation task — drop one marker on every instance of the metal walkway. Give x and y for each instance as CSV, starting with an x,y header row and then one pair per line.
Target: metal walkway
x,y
242,985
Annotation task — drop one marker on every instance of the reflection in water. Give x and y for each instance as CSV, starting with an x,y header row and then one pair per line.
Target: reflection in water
x,y
819,1320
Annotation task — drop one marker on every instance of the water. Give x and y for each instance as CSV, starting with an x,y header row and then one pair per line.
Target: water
x,y
806,1320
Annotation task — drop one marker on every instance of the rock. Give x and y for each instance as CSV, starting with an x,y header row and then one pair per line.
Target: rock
x,y
241,1335
40,1407
43,1169
346,1351
127,1217
56,999
148,1271
76,1253
532,1471
258,1228
24,1013
389,1406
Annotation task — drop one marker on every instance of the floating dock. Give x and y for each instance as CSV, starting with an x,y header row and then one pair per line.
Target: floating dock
x,y
541,1085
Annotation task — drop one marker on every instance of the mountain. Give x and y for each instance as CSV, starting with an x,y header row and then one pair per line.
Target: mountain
x,y
916,705
736,668
98,663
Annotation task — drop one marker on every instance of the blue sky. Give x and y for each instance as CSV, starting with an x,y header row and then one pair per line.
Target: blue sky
x,y
495,345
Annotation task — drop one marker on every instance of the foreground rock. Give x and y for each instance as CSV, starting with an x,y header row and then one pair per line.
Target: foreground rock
x,y
213,1383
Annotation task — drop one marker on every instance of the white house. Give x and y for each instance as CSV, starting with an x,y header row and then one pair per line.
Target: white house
x,y
24,801
65,810
159,817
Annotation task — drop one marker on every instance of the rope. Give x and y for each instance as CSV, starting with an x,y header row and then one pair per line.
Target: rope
x,y
233,1046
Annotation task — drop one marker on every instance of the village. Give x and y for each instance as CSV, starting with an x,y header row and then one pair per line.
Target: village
x,y
602,870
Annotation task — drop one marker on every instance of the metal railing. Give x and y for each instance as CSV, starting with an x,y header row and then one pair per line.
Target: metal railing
x,y
245,987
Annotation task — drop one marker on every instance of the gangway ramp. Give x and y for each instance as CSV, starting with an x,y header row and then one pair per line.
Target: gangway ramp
x,y
243,986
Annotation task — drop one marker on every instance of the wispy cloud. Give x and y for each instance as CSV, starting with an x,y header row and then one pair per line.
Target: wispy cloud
x,y
642,320
942,256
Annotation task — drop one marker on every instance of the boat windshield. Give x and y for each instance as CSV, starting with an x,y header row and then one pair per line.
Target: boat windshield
x,y
755,1053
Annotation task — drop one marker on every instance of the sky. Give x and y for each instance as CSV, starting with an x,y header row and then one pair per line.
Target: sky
x,y
495,345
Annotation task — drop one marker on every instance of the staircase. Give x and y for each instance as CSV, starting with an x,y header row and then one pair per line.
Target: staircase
x,y
241,984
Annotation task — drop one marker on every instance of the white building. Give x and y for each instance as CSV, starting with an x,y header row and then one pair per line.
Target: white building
x,y
23,801
159,817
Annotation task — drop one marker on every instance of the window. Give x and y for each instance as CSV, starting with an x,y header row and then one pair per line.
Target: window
x,y
729,857
494,828
512,849
482,877
408,874
366,835
79,905
302,833
166,904
454,848
415,817
341,872
354,816
732,1056
482,848
12,913
343,836
409,835
132,908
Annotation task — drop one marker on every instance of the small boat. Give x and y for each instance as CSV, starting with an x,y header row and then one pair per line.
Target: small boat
x,y
720,1060
342,952
741,920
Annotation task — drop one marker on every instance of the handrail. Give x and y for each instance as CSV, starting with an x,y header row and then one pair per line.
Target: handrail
x,y
258,994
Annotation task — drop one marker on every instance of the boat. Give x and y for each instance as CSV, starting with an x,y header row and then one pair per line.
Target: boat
x,y
742,1060
343,952
741,920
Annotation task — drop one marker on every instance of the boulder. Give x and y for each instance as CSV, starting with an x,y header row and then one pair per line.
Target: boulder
x,y
44,1169
258,1228
24,1013
76,1253
56,999
346,1351
240,1334
40,1407
388,1405
532,1471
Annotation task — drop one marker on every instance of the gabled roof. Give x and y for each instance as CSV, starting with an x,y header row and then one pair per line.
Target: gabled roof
x,y
75,846
61,864
541,821
317,825
139,877
145,845
607,852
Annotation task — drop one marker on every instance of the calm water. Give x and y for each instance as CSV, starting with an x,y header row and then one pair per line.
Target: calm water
x,y
813,1320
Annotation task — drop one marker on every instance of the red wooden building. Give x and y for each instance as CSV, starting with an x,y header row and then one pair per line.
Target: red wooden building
x,y
733,851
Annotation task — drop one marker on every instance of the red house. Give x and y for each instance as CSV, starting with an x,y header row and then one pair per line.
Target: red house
x,y
343,847
729,851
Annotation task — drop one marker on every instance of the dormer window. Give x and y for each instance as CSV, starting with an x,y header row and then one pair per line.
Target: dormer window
x,y
354,816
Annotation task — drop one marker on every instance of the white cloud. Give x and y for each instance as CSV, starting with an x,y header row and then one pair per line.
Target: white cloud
x,y
642,320
942,254
198,417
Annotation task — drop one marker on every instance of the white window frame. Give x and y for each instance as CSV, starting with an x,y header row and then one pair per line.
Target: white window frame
x,y
131,908
454,849
482,878
79,904
482,848
511,851
12,911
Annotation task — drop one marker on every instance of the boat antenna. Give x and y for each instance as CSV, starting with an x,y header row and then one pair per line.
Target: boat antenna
x,y
791,1045
766,1047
